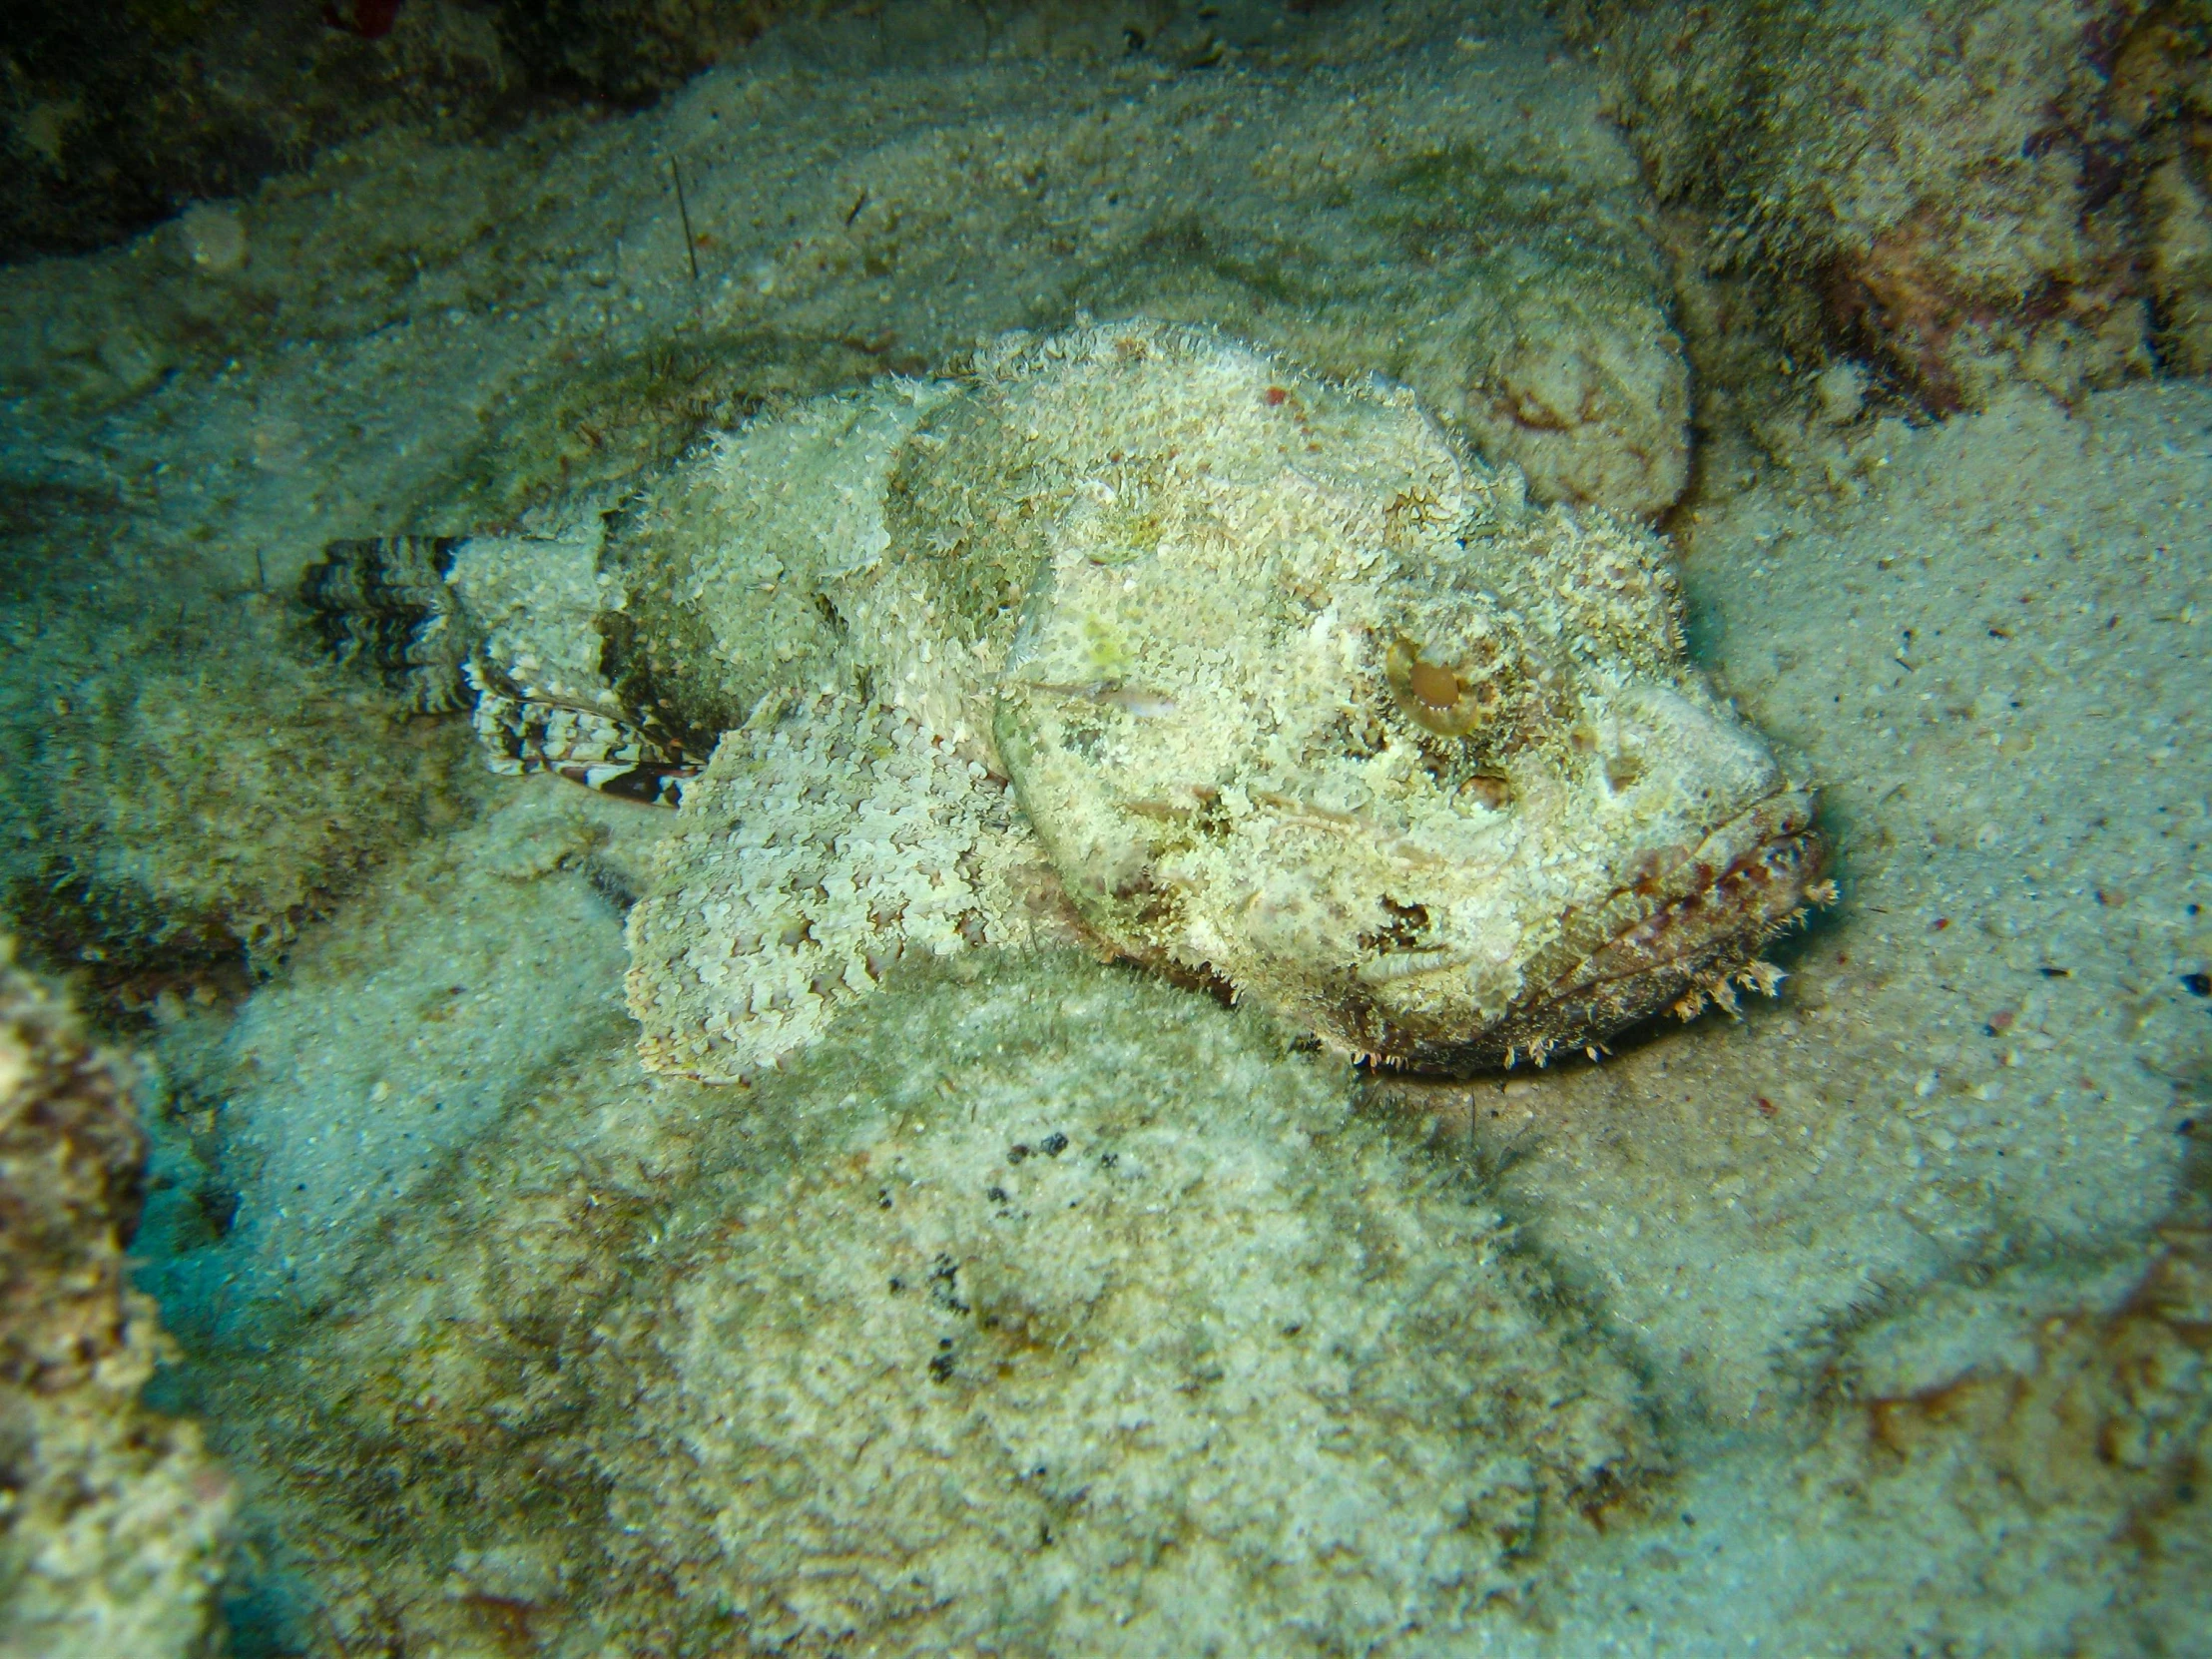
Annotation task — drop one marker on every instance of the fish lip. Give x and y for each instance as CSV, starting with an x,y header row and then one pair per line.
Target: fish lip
x,y
1765,860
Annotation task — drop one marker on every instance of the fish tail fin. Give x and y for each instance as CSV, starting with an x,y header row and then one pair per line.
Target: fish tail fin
x,y
386,603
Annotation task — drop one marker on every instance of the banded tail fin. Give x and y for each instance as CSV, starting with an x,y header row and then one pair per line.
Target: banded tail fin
x,y
416,609
387,602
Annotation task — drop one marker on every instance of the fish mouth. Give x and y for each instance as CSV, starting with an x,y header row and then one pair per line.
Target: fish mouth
x,y
1696,921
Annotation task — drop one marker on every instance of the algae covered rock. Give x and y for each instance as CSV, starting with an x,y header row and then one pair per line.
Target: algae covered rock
x,y
1041,1309
1101,1328
1294,696
1525,301
2048,1496
194,794
115,1520
1975,195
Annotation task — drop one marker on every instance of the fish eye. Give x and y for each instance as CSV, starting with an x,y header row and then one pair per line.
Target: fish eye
x,y
1451,697
1432,687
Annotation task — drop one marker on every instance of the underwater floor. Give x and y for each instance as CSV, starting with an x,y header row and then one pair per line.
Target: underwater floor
x,y
1046,1307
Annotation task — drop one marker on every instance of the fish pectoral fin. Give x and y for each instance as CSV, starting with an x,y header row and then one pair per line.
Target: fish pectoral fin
x,y
813,857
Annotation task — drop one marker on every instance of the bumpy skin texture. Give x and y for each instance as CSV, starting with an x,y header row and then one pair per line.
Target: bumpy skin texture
x,y
1389,749
1297,699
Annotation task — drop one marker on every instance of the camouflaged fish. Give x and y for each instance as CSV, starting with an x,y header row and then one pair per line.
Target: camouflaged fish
x,y
1138,637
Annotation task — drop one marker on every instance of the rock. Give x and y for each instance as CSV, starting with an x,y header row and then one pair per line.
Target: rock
x,y
201,794
115,1523
1040,1309
212,235
1982,198
1534,316
1841,392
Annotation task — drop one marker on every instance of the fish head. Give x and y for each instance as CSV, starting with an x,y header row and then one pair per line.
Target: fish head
x,y
1357,733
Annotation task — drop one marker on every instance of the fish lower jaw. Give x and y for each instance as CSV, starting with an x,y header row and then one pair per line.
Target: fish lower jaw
x,y
1694,950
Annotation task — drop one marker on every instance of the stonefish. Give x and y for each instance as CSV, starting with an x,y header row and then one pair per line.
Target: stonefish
x,y
1138,637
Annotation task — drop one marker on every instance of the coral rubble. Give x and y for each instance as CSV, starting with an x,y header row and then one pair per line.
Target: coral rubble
x,y
113,1520
2008,190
